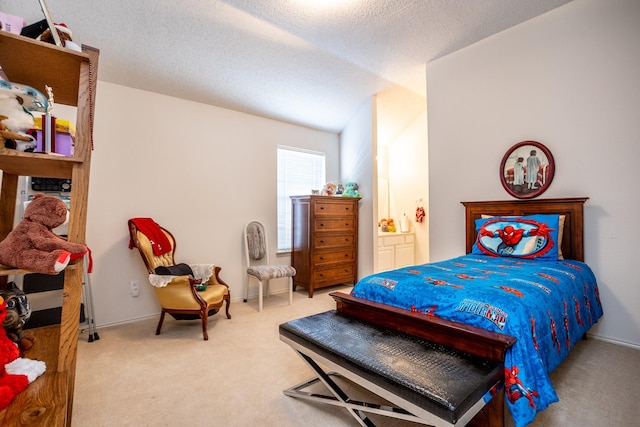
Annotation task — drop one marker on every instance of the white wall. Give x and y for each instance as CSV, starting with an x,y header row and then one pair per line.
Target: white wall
x,y
409,182
402,159
390,125
568,79
356,164
199,170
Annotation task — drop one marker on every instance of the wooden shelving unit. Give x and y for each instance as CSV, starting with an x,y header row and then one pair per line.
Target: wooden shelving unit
x,y
48,400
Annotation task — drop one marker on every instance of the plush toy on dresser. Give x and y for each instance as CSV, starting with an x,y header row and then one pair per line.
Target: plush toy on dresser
x,y
32,245
329,189
351,190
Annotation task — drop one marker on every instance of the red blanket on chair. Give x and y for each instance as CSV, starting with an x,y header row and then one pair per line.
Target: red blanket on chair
x,y
159,241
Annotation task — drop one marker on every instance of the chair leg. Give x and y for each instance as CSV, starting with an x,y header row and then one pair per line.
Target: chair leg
x,y
290,290
204,317
246,287
160,322
227,299
260,292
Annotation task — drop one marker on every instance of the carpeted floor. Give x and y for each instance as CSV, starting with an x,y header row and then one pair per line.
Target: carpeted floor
x,y
131,377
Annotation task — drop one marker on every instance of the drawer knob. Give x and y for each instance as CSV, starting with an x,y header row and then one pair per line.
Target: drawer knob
x,y
321,241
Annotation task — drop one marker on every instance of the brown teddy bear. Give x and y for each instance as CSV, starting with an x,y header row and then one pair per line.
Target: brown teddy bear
x,y
32,245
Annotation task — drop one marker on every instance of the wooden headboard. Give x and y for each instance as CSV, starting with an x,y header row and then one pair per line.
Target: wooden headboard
x,y
572,239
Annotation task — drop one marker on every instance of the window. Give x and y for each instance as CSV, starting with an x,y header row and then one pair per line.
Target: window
x,y
299,172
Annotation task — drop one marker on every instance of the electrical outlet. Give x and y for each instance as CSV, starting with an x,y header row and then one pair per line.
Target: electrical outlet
x,y
135,289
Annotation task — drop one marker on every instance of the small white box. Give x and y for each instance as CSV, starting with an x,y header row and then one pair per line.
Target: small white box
x,y
11,23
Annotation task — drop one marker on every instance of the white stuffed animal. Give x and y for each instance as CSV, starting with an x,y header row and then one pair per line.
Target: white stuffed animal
x,y
17,101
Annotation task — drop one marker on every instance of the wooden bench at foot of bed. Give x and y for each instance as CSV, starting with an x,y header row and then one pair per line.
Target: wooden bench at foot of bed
x,y
428,382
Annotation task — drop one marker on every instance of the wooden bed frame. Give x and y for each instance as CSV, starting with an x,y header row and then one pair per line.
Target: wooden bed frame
x,y
473,340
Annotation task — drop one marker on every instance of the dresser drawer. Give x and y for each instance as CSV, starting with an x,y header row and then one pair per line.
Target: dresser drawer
x,y
333,241
345,255
334,224
334,275
336,208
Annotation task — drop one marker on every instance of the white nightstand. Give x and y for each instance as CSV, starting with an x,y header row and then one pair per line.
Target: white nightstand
x,y
395,250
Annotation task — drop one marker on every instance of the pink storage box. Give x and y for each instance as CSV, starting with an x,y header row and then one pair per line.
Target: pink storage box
x,y
64,143
11,23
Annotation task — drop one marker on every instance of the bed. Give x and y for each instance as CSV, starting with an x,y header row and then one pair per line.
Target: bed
x,y
526,311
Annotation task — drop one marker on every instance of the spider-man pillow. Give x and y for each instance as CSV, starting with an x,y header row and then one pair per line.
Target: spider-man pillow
x,y
533,237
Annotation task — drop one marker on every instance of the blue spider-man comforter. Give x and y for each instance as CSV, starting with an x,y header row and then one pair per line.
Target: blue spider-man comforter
x,y
546,305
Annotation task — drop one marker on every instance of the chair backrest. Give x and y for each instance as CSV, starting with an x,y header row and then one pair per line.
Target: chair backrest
x,y
256,247
145,247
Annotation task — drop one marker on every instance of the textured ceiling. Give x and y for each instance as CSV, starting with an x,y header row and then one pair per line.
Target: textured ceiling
x,y
283,59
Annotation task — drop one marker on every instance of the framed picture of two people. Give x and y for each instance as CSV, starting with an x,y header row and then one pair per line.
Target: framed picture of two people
x,y
527,169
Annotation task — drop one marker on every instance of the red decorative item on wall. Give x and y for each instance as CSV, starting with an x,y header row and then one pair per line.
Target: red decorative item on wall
x,y
420,214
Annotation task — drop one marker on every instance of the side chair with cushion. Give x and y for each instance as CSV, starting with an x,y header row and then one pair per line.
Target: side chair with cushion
x,y
257,262
184,291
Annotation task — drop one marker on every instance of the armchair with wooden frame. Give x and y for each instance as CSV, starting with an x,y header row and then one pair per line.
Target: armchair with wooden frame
x,y
183,296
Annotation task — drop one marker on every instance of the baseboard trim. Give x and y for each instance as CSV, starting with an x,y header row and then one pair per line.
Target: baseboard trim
x,y
613,341
126,322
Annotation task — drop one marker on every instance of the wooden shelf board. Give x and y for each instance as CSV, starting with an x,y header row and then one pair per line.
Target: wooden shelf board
x,y
29,57
9,271
30,164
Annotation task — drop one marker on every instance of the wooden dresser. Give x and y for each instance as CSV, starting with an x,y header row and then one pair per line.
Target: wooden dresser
x,y
325,241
